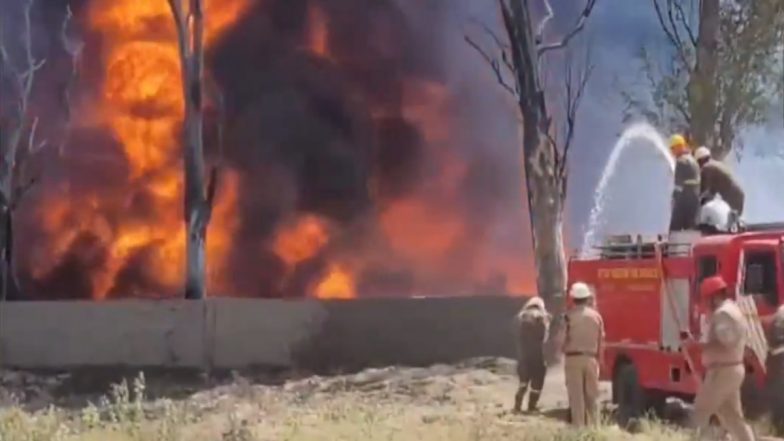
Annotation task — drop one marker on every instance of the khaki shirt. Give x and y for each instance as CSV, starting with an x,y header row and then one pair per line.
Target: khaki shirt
x,y
716,178
776,332
584,331
726,340
687,173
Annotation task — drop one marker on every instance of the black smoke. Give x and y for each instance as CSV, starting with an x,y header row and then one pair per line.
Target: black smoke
x,y
313,134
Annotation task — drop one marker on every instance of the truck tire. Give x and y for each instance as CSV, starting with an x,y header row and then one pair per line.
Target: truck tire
x,y
631,396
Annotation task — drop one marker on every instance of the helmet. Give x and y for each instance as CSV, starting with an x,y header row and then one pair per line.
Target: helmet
x,y
678,142
716,213
534,302
712,286
702,153
580,291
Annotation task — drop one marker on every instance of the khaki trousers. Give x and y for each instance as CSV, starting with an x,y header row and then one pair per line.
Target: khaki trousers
x,y
719,395
582,386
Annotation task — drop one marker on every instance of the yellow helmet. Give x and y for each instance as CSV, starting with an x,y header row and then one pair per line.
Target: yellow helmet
x,y
678,142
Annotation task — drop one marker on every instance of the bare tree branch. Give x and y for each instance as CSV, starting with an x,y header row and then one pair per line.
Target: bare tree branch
x,y
14,155
674,39
32,148
575,91
578,26
495,65
486,29
549,14
686,22
180,23
73,47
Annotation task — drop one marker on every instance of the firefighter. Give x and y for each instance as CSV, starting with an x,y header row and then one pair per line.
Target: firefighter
x,y
583,348
775,370
722,357
533,326
686,192
716,178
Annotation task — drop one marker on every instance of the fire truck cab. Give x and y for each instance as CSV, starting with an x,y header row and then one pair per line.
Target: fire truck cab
x,y
647,292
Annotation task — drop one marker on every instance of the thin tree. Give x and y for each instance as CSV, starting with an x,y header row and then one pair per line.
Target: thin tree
x,y
199,194
725,73
516,62
18,128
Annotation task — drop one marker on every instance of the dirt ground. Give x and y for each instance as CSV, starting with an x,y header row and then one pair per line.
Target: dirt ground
x,y
468,401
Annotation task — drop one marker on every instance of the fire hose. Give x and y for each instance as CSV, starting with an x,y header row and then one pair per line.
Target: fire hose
x,y
674,312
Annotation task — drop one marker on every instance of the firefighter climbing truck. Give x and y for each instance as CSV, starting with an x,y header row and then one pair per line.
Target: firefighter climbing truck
x,y
647,292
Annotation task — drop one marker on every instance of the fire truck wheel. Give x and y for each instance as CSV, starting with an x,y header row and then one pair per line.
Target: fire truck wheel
x,y
631,396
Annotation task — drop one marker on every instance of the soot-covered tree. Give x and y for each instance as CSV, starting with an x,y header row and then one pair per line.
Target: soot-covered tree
x,y
18,125
199,194
517,63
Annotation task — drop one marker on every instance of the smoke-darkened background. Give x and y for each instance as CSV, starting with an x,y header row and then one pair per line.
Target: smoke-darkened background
x,y
367,150
353,162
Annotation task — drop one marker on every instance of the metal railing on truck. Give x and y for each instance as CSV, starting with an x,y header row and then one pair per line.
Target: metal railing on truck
x,y
628,247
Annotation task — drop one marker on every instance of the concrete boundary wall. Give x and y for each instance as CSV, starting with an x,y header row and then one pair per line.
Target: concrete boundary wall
x,y
242,333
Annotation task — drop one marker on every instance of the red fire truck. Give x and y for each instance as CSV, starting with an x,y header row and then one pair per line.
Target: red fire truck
x,y
647,292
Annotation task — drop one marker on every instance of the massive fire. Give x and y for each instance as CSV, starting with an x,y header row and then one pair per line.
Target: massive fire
x,y
340,178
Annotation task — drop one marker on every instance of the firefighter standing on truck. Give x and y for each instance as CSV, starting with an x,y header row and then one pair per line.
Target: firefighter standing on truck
x,y
583,348
716,178
722,357
686,192
533,325
775,370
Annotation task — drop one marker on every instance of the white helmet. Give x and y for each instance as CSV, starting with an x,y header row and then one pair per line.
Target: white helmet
x,y
716,213
702,153
534,302
580,291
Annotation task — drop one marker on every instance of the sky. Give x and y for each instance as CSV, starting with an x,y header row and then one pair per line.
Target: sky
x,y
639,191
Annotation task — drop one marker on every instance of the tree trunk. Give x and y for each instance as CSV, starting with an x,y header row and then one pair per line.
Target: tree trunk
x,y
702,82
198,198
544,186
9,143
196,208
546,205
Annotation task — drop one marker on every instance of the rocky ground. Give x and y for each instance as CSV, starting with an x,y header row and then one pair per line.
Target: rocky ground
x,y
463,402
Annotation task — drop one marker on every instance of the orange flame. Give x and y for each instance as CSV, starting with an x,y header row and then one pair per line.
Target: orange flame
x,y
142,104
301,241
418,231
318,33
337,284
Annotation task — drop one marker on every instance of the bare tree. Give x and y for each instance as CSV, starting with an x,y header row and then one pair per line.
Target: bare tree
x,y
725,73
189,22
18,129
516,62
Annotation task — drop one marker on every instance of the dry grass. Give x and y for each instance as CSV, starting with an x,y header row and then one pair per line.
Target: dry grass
x,y
242,412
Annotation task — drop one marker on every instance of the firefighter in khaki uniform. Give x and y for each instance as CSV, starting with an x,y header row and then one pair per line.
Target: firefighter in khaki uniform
x,y
717,178
686,191
583,348
775,370
722,357
533,323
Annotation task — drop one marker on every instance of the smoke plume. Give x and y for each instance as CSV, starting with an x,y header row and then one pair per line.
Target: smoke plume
x,y
357,157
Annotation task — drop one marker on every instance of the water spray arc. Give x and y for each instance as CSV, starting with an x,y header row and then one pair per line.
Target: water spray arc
x,y
630,137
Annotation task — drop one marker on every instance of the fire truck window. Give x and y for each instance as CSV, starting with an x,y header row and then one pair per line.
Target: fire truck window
x,y
760,276
708,266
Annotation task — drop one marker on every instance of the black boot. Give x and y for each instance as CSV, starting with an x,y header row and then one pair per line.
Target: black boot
x,y
518,404
533,400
